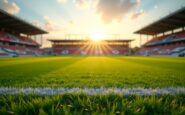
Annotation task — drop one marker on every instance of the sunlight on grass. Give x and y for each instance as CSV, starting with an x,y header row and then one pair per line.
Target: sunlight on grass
x,y
92,72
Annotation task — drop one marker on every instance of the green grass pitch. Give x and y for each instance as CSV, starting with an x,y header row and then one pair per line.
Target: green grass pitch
x,y
111,71
92,72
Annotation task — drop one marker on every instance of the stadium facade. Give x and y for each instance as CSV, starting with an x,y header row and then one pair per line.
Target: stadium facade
x,y
168,36
16,37
90,47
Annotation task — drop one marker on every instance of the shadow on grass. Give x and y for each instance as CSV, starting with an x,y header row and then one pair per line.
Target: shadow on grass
x,y
26,72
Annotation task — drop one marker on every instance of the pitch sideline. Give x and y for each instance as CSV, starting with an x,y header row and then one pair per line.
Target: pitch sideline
x,y
92,91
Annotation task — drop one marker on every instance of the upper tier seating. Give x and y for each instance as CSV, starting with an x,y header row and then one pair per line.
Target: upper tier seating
x,y
166,45
15,45
16,39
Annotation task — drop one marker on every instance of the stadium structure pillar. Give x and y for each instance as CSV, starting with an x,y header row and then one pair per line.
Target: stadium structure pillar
x,y
172,31
41,39
155,36
163,33
147,37
28,36
129,48
140,40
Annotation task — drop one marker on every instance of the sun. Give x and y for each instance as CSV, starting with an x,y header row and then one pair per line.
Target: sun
x,y
97,36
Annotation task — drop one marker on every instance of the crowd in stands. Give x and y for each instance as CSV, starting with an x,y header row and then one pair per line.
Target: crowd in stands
x,y
170,45
16,45
91,49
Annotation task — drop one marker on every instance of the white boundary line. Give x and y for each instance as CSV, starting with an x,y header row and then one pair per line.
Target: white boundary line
x,y
92,91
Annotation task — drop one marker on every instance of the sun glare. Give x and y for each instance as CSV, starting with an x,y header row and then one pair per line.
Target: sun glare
x,y
97,36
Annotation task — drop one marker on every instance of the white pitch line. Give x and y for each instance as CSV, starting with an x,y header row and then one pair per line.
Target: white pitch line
x,y
92,91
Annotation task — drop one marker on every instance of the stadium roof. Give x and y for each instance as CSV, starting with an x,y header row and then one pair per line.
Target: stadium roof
x,y
172,21
88,40
13,23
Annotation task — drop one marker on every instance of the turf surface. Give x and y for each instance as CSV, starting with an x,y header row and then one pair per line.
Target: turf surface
x,y
96,105
92,72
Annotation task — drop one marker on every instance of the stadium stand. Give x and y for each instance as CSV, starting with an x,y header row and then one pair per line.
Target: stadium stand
x,y
15,37
173,45
88,47
166,45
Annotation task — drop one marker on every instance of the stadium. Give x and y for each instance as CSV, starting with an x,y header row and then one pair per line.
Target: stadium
x,y
170,44
89,47
92,73
12,42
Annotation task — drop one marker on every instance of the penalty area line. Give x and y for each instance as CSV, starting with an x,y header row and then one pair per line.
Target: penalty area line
x,y
92,91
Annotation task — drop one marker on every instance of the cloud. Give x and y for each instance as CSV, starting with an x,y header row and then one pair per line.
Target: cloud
x,y
138,14
115,9
83,4
49,24
62,1
36,23
11,8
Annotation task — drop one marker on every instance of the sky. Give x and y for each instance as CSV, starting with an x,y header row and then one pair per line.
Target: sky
x,y
94,17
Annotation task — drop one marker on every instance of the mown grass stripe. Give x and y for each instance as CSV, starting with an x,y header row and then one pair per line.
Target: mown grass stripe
x,y
92,91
